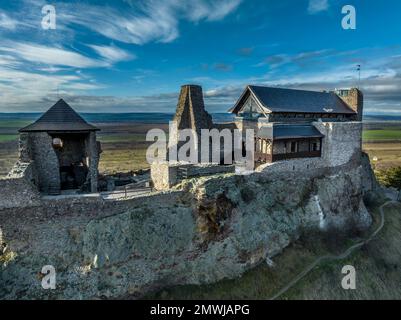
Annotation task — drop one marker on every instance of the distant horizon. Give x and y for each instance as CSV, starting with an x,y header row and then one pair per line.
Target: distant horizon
x,y
172,113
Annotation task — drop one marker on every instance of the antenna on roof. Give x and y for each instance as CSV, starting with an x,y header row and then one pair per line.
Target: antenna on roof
x,y
358,68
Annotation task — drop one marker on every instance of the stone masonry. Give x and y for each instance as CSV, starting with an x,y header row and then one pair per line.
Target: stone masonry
x,y
190,114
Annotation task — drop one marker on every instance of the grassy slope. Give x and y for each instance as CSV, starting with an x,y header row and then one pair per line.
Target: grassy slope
x,y
377,264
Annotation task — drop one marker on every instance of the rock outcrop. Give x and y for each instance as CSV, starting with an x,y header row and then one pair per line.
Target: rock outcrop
x,y
205,230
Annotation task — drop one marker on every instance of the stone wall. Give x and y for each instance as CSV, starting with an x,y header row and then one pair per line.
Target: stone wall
x,y
341,142
354,98
45,161
93,152
190,114
165,175
18,189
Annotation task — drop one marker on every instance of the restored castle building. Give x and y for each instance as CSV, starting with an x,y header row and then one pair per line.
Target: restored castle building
x,y
286,120
295,130
62,150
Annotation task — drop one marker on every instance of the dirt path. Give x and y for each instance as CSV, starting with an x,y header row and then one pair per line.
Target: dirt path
x,y
341,256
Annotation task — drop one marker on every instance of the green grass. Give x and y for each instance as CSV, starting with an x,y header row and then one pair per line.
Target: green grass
x,y
8,137
382,134
14,123
377,269
118,138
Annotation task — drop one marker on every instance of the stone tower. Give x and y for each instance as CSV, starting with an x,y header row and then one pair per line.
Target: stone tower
x,y
63,149
354,98
190,114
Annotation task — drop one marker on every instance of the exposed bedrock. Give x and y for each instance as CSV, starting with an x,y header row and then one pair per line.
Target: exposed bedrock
x,y
208,229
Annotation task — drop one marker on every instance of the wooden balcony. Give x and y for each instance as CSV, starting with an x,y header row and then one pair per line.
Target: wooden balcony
x,y
268,158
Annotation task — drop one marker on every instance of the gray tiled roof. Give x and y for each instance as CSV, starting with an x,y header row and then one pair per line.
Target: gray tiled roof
x,y
60,117
299,101
288,131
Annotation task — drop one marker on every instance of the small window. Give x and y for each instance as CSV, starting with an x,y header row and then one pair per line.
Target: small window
x,y
314,146
294,146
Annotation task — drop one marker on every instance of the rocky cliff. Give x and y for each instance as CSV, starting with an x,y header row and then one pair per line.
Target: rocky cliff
x,y
205,230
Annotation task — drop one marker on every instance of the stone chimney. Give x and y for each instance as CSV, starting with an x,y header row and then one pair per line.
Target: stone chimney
x,y
354,99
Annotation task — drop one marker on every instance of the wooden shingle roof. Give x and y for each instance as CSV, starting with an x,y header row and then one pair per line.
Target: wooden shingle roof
x,y
60,117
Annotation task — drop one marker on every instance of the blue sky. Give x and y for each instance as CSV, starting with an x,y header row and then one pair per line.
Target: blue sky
x,y
133,56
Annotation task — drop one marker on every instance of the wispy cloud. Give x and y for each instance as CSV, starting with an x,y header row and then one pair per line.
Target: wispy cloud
x,y
246,51
6,22
300,59
22,90
49,55
209,10
112,53
223,67
316,6
145,22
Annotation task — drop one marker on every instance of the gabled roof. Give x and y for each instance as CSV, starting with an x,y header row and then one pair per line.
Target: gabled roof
x,y
60,117
294,101
289,131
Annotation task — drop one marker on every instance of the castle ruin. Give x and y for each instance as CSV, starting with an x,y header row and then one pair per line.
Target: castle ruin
x,y
295,130
61,150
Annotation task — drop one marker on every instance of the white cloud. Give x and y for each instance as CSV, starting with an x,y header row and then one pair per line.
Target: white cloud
x,y
144,22
49,55
20,90
316,6
6,22
210,10
112,53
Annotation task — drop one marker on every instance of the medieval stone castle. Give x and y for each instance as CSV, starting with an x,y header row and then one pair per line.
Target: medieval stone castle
x,y
295,130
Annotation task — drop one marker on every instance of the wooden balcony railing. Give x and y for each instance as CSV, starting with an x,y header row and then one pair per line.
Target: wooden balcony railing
x,y
267,158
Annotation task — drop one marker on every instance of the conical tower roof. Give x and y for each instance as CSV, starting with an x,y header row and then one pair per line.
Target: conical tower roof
x,y
60,117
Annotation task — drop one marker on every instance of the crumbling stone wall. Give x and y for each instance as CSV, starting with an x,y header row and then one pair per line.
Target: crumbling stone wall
x,y
45,161
24,149
165,175
18,189
93,151
190,114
